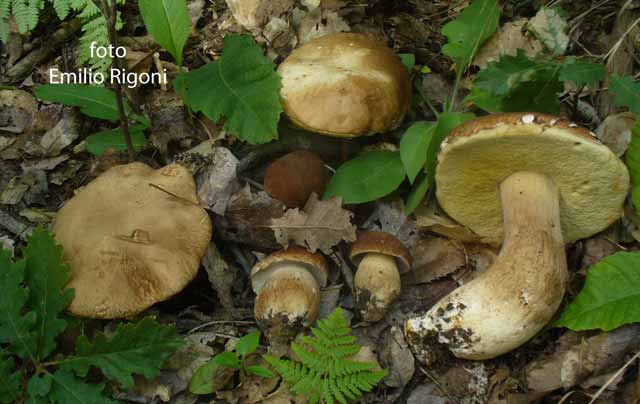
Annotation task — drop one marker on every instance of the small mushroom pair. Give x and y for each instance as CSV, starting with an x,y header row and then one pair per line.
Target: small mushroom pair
x,y
532,182
287,283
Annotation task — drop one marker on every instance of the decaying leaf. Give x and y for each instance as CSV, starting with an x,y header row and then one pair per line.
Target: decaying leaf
x,y
216,184
434,258
7,244
390,217
615,132
397,358
320,22
432,218
248,219
320,226
17,109
510,37
221,276
549,27
581,359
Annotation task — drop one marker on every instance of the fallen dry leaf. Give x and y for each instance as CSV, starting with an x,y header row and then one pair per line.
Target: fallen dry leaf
x,y
432,218
509,38
434,258
615,132
397,358
320,226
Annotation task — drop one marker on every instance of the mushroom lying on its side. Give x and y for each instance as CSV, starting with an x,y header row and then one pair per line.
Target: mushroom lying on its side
x,y
287,286
380,258
537,182
345,85
132,237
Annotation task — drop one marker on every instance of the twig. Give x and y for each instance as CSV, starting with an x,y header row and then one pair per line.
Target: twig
x,y
111,15
438,385
233,322
614,377
158,187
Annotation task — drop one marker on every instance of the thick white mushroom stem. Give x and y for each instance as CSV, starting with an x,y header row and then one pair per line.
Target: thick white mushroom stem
x,y
377,284
503,308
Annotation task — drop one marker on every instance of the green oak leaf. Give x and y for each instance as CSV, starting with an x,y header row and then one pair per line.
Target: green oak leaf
x,y
46,276
100,142
16,327
501,77
582,72
135,348
68,389
241,86
10,381
627,92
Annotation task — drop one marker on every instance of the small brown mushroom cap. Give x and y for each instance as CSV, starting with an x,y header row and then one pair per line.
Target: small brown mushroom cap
x,y
130,244
479,155
292,178
381,243
345,85
287,285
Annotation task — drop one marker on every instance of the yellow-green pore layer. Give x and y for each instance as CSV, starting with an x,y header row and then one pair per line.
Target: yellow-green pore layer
x,y
479,155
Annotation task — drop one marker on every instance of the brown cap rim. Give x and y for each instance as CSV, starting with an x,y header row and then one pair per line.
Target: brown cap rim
x,y
295,254
381,243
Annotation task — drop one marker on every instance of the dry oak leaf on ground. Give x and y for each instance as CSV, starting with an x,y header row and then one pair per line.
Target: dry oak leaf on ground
x,y
321,225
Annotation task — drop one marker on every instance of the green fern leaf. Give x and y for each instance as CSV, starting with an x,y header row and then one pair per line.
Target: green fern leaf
x,y
62,7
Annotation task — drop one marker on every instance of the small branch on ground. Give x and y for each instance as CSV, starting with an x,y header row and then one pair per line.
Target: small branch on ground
x,y
110,12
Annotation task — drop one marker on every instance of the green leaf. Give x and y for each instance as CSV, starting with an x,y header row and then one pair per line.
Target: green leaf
x,y
248,344
501,77
367,177
632,158
413,147
39,386
627,92
10,382
260,371
46,276
408,60
96,102
204,379
610,296
582,72
417,194
135,348
100,142
473,26
227,359
15,327
67,389
241,86
168,23
447,122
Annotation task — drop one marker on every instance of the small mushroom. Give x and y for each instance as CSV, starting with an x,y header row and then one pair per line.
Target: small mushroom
x,y
345,85
287,286
292,178
132,237
380,258
532,182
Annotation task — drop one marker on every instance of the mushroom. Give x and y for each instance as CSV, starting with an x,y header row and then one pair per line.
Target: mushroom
x,y
287,285
292,178
345,85
380,258
533,182
132,237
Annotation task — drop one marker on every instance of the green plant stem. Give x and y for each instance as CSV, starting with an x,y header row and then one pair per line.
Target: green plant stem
x,y
454,93
110,13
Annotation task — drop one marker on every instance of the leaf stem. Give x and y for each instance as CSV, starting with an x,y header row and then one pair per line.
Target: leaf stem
x,y
110,13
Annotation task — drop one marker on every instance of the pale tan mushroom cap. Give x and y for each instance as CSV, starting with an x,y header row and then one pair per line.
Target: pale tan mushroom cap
x,y
479,155
345,85
381,243
129,244
314,263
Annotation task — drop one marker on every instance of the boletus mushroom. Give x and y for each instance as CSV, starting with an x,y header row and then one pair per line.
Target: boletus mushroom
x,y
380,258
345,85
132,237
292,178
532,182
287,286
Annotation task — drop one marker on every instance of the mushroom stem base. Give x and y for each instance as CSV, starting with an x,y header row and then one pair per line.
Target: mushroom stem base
x,y
503,308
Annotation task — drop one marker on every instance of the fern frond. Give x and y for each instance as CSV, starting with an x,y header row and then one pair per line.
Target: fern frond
x,y
62,7
5,7
324,373
25,13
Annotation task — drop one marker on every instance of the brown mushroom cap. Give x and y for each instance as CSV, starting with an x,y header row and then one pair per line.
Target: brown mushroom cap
x,y
292,178
381,243
131,245
480,154
315,263
345,85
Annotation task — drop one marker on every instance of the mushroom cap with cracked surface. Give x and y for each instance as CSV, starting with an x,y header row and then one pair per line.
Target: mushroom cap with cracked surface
x,y
345,85
478,155
133,237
